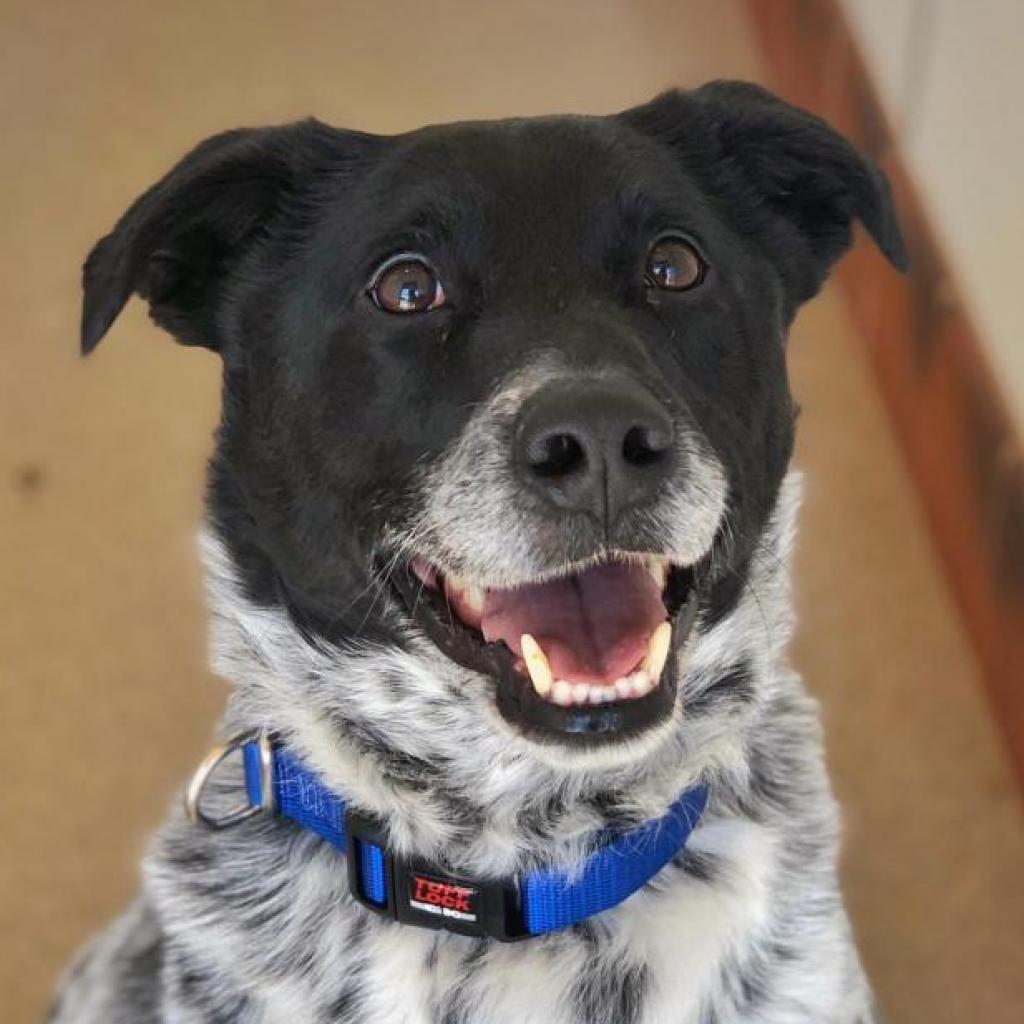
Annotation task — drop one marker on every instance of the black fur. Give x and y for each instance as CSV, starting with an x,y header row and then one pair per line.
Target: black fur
x,y
342,423
259,245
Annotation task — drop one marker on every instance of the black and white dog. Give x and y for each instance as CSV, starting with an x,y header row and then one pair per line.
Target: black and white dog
x,y
498,531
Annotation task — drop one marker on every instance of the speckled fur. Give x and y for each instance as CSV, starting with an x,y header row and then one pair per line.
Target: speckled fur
x,y
256,924
353,440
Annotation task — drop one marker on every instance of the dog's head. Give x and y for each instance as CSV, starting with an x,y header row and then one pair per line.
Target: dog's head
x,y
509,396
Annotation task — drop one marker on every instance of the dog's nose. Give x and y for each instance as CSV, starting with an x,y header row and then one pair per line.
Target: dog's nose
x,y
595,447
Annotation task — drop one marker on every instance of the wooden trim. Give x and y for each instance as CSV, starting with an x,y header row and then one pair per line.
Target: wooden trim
x,y
961,444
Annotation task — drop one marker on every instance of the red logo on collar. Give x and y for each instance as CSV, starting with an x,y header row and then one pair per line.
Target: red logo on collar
x,y
434,896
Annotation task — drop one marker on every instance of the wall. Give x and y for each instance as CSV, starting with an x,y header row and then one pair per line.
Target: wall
x,y
951,76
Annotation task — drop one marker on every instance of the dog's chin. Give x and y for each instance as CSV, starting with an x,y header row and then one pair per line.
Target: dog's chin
x,y
587,658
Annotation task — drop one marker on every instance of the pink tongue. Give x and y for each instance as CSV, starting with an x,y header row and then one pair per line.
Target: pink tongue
x,y
593,626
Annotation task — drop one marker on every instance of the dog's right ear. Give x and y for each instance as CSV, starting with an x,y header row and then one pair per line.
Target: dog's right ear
x,y
772,165
178,240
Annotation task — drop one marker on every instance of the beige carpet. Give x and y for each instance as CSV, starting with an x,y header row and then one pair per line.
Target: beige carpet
x,y
104,698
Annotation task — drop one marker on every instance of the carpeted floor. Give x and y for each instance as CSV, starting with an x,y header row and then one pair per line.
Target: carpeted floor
x,y
104,698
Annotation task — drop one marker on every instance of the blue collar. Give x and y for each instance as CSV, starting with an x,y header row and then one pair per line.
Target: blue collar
x,y
415,892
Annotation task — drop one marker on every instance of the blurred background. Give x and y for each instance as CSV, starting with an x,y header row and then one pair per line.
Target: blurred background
x,y
910,570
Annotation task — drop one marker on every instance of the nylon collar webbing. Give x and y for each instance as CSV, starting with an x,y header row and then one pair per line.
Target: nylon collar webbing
x,y
415,892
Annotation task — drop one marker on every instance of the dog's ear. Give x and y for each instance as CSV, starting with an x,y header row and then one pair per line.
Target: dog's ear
x,y
179,239
777,169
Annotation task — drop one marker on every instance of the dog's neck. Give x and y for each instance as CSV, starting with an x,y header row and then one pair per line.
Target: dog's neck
x,y
415,740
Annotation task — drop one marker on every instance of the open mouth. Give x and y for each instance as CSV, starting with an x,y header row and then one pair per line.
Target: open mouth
x,y
587,655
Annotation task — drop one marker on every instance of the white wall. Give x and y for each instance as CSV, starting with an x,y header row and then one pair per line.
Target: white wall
x,y
952,75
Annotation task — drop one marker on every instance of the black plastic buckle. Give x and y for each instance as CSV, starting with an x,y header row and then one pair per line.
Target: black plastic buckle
x,y
419,894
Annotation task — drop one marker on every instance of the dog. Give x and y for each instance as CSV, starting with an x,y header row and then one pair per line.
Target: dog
x,y
497,535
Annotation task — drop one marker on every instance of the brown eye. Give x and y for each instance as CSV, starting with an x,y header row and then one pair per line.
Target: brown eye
x,y
406,284
675,265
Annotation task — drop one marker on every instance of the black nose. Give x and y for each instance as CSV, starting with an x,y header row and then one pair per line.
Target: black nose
x,y
595,447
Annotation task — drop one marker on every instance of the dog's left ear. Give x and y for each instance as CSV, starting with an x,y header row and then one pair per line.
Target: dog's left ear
x,y
779,171
180,239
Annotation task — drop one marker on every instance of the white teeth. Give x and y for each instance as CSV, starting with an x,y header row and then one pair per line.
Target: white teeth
x,y
657,651
474,598
642,683
537,665
562,693
471,594
658,569
638,684
454,582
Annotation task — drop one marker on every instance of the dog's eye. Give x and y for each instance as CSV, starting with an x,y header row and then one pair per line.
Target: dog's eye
x,y
405,283
675,265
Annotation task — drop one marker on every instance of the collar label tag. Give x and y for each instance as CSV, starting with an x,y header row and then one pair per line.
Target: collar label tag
x,y
439,898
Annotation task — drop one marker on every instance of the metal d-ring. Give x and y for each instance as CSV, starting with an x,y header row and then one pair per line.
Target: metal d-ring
x,y
209,765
